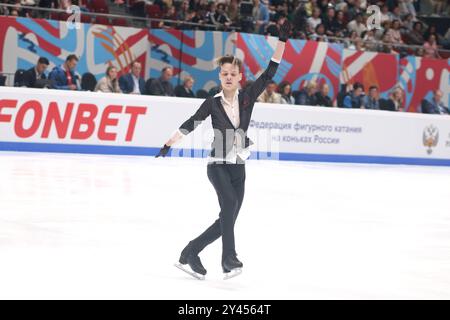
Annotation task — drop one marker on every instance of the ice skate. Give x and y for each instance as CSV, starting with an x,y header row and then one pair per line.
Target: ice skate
x,y
232,267
191,264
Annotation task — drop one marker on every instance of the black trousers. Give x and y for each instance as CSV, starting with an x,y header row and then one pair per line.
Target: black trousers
x,y
229,182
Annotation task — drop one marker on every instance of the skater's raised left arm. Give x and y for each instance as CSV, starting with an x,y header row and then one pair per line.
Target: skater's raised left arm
x,y
260,84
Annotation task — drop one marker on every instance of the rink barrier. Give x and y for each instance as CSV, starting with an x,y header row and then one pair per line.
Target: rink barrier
x,y
202,153
34,120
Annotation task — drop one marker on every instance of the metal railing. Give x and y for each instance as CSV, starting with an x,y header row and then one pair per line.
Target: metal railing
x,y
147,21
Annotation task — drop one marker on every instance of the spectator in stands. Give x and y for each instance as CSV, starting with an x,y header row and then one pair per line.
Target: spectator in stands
x,y
435,106
219,18
394,32
162,85
432,31
416,36
394,102
319,34
273,29
407,8
384,14
185,90
307,96
338,26
132,82
328,20
430,48
371,101
35,73
354,99
284,89
109,83
260,16
322,97
233,11
395,14
370,40
357,25
64,77
270,95
315,19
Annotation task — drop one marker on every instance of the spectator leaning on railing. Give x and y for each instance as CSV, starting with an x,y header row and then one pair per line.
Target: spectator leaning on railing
x,y
64,77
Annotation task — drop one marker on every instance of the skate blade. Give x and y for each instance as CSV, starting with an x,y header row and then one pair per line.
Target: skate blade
x,y
233,273
191,273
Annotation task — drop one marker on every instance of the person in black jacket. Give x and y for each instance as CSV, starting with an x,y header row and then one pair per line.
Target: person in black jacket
x,y
230,111
185,90
37,72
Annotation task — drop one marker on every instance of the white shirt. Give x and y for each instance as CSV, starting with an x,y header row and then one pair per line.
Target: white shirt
x,y
232,111
136,84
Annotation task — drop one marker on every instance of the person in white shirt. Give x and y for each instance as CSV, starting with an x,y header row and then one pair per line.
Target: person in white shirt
x,y
230,110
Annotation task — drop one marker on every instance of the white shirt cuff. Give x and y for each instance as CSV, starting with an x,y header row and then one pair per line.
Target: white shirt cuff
x,y
275,60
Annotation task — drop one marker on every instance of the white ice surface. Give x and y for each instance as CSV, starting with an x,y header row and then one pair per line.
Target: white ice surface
x,y
91,226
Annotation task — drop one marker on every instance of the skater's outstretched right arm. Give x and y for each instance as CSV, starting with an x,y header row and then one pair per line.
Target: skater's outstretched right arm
x,y
188,126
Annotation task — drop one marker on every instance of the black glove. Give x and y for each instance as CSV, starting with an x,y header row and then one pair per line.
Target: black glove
x,y
163,152
285,31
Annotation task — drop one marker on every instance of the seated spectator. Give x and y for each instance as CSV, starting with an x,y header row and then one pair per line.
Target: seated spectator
x,y
407,8
354,99
394,102
35,73
307,96
284,89
371,100
185,90
315,19
109,83
270,95
338,26
394,32
322,97
384,14
319,34
430,48
395,14
435,106
370,40
260,16
64,77
219,17
273,29
162,85
328,20
357,25
416,36
132,82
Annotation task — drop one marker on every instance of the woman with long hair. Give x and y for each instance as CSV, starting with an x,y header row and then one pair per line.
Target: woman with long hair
x,y
110,82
